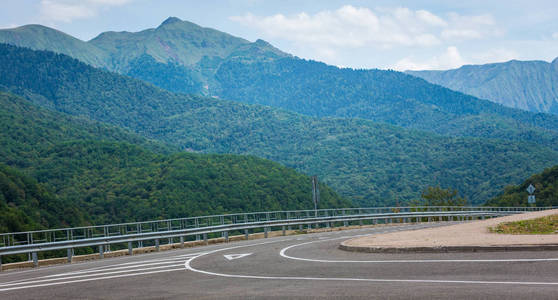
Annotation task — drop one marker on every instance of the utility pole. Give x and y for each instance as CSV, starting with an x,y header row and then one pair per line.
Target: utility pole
x,y
315,194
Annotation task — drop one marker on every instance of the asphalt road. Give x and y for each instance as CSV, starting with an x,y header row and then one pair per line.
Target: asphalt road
x,y
300,266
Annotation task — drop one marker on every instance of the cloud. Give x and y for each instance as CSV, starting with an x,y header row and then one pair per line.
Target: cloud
x,y
450,59
68,10
353,27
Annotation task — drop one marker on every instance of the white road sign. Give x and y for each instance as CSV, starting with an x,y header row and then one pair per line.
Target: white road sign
x,y
531,189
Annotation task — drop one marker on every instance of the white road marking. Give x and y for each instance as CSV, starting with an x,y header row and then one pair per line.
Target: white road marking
x,y
90,279
87,275
236,256
284,250
111,268
189,267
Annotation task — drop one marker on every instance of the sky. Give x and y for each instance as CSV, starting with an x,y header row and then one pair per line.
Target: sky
x,y
401,35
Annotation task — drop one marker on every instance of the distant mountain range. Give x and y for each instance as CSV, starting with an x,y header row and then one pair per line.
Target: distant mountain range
x,y
528,85
183,57
369,163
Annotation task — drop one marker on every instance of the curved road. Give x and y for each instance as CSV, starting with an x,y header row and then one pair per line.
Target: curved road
x,y
300,266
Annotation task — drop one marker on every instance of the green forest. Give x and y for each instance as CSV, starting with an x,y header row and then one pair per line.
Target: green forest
x,y
57,170
546,191
370,163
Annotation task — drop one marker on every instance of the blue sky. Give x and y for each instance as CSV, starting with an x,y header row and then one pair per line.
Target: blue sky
x,y
421,34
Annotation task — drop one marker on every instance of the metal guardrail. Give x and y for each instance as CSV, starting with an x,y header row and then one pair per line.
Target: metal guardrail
x,y
32,242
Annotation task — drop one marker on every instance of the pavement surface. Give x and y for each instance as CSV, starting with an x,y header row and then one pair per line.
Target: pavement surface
x,y
471,234
306,266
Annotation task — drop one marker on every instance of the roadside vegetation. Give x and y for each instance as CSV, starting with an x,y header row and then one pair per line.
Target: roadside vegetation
x,y
544,225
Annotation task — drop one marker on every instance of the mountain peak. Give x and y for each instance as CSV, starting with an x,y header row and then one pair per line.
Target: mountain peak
x,y
171,20
555,61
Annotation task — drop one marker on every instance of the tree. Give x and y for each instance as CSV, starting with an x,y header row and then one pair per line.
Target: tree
x,y
437,196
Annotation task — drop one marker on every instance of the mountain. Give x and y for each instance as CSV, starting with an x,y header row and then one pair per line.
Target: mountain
x,y
370,163
57,170
546,191
183,57
528,85
176,48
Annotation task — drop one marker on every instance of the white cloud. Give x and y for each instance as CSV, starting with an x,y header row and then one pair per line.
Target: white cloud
x,y
69,10
450,59
352,27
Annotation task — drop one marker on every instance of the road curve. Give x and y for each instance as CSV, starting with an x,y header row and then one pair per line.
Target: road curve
x,y
300,266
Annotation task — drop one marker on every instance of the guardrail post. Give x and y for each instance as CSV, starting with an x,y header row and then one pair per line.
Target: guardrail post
x,y
284,232
157,245
130,249
226,236
265,232
181,241
35,259
101,252
205,239
360,222
69,253
0,263
345,223
300,227
246,234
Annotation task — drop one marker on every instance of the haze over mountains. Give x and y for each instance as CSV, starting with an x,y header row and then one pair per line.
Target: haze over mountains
x,y
376,137
528,85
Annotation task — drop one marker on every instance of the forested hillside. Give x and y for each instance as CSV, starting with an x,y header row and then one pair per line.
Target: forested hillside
x,y
529,85
316,89
546,191
74,172
183,57
26,204
372,164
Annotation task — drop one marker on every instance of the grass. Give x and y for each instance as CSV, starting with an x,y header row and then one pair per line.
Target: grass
x,y
544,225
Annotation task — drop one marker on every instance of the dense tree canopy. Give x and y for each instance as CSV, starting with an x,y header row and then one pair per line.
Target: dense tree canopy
x,y
546,191
368,162
76,172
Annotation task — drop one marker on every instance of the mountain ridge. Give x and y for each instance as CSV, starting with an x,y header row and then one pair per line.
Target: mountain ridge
x,y
371,163
529,85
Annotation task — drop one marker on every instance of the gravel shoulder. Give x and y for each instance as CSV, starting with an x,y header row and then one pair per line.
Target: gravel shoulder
x,y
472,234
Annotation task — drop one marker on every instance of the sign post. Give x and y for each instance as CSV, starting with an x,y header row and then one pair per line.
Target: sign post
x,y
531,197
315,194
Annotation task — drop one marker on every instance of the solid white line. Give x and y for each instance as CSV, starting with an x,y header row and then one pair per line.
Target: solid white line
x,y
284,250
188,266
87,275
89,279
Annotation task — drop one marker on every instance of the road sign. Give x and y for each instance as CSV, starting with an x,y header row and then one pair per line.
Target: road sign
x,y
531,199
531,189
235,256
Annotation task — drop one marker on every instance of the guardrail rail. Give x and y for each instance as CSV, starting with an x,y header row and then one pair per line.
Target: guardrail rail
x,y
136,233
